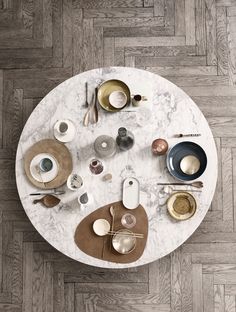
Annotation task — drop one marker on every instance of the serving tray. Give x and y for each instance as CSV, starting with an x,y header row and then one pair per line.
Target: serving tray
x,y
100,247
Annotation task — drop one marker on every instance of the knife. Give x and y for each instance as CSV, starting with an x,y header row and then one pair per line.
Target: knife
x,y
51,193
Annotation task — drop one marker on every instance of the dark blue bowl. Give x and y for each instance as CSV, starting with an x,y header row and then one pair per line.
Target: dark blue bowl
x,y
178,152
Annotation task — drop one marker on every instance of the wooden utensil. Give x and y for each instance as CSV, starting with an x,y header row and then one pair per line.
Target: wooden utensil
x,y
88,113
94,109
48,201
197,184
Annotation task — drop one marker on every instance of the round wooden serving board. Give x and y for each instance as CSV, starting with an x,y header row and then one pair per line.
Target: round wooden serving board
x,y
60,152
100,247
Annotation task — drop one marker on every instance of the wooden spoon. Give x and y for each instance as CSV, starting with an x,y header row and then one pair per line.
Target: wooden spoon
x,y
48,201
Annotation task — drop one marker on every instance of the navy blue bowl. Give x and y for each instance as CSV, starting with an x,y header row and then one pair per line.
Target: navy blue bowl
x,y
178,152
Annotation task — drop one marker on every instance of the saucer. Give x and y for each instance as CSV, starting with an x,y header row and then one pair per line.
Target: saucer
x,y
40,175
101,227
69,136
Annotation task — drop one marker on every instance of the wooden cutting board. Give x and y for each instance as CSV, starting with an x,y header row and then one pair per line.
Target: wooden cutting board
x,y
100,247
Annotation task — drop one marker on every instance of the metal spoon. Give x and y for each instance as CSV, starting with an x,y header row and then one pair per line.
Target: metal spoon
x,y
166,190
112,212
197,184
86,95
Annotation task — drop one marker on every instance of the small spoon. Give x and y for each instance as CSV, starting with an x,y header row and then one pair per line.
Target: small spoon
x,y
48,201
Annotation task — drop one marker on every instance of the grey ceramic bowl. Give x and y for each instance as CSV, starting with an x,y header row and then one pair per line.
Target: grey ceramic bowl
x,y
181,150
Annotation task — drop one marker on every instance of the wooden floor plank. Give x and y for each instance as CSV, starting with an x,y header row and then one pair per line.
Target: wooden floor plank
x,y
221,40
211,33
208,293
200,27
197,288
190,22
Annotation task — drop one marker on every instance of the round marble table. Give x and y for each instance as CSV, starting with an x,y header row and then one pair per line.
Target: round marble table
x,y
168,111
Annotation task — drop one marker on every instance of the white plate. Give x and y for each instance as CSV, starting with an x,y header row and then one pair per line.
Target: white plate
x,y
43,176
70,134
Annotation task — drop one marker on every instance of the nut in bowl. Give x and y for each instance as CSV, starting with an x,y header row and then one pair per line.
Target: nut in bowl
x,y
124,241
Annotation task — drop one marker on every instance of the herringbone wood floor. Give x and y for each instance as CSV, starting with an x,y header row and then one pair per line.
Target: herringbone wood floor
x,y
193,44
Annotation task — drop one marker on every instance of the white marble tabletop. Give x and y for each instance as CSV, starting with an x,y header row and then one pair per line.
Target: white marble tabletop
x,y
168,111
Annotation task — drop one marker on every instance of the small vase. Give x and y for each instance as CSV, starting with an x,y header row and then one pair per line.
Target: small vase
x,y
125,139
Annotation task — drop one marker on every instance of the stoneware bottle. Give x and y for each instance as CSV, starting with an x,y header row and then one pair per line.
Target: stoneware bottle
x,y
125,139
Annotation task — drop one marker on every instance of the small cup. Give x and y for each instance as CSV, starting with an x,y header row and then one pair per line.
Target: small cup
x,y
118,99
159,147
74,182
137,99
46,165
63,128
96,166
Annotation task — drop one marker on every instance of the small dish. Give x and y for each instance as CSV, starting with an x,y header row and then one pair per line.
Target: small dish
x,y
109,87
40,175
186,161
74,182
124,242
118,99
181,205
101,227
64,134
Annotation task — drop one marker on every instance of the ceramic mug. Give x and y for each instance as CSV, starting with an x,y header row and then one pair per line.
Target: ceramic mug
x,y
137,99
46,164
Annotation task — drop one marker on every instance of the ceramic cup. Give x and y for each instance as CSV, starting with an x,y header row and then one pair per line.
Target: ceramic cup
x,y
74,182
45,165
137,99
96,166
118,99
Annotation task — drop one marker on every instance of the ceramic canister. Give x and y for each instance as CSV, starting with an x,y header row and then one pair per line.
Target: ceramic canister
x,y
105,146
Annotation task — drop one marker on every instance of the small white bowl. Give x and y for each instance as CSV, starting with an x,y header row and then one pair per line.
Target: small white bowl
x,y
101,227
74,182
118,99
